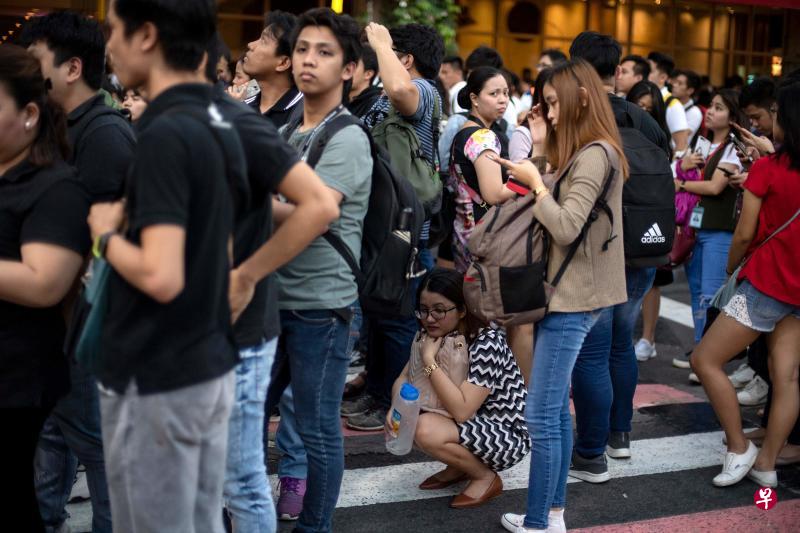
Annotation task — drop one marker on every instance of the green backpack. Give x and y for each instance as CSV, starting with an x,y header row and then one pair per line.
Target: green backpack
x,y
399,138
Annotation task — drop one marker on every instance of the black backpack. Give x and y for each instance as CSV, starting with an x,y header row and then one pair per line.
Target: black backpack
x,y
388,252
648,198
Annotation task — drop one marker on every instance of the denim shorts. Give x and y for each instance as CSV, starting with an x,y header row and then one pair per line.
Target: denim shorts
x,y
754,309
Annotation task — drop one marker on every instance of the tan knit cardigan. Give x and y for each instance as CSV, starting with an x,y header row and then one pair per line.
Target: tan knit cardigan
x,y
595,278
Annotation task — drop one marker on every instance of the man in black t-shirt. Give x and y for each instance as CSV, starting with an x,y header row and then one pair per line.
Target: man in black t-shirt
x,y
269,61
71,51
167,343
273,168
604,415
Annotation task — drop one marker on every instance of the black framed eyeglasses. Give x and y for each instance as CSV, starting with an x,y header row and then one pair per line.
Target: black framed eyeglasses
x,y
437,314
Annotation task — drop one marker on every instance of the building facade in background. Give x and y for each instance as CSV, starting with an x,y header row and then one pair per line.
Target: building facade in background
x,y
715,37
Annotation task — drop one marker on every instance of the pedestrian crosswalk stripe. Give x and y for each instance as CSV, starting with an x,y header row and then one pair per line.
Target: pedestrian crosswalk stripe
x,y
398,483
676,311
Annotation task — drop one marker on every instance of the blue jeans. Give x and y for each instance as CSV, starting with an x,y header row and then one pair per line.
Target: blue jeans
x,y
606,372
247,492
293,461
72,433
705,272
316,344
559,337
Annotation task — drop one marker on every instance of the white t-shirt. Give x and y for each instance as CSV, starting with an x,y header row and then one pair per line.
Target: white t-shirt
x,y
676,115
728,156
694,117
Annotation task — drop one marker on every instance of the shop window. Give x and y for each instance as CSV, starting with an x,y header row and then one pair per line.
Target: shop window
x,y
722,26
719,66
739,28
524,17
564,18
696,60
693,24
767,32
651,24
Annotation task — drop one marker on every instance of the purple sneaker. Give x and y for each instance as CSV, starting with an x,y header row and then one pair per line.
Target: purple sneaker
x,y
290,500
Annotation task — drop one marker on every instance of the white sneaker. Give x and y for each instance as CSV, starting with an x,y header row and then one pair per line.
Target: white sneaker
x,y
515,523
736,466
644,350
693,378
755,393
742,376
763,479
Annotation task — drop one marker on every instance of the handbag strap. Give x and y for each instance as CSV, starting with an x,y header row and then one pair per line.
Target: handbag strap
x,y
765,241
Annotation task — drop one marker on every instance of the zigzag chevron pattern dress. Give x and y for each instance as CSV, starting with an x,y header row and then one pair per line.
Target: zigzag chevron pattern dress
x,y
496,434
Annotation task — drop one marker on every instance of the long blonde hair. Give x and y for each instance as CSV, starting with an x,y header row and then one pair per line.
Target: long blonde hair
x,y
579,122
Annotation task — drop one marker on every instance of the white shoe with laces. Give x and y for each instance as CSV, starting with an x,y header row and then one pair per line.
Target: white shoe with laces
x,y
644,350
736,466
755,393
515,523
742,376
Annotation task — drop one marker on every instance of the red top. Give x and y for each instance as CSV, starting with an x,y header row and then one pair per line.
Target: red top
x,y
775,267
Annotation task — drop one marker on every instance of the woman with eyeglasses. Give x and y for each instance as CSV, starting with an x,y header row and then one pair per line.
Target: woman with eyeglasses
x,y
481,428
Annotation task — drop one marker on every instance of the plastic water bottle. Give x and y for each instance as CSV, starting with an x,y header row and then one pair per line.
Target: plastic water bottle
x,y
405,413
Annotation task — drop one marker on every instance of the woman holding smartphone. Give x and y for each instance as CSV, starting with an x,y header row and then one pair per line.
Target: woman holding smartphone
x,y
715,215
578,116
766,302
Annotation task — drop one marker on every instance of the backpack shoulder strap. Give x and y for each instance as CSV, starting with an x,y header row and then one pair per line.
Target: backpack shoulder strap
x,y
314,154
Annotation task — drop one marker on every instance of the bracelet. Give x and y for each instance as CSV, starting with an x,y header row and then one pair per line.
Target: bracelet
x,y
101,243
429,369
539,190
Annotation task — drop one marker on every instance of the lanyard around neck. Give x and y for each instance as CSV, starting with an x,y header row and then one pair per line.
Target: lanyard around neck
x,y
318,128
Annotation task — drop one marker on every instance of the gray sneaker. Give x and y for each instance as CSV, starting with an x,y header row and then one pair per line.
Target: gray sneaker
x,y
594,470
373,420
619,445
357,406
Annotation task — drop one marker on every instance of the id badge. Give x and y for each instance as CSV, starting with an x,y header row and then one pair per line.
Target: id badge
x,y
697,218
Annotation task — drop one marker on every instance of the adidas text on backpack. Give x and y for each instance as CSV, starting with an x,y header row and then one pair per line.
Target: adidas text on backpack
x,y
389,252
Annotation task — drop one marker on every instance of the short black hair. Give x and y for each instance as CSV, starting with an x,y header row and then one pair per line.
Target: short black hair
x,y
483,56
692,78
456,61
600,51
760,93
214,51
640,65
422,42
555,55
280,25
184,27
663,62
369,57
69,34
343,27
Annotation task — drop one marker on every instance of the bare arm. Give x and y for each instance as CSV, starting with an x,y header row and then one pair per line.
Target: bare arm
x,y
157,267
460,401
745,230
712,187
681,139
43,276
397,83
490,180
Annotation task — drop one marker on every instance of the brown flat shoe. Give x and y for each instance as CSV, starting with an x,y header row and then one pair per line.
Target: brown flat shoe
x,y
462,501
434,483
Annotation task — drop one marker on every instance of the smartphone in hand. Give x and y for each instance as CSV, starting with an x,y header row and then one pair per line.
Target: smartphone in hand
x,y
702,147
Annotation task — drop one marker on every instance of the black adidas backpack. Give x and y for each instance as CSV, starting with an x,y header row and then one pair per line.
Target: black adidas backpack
x,y
648,198
388,254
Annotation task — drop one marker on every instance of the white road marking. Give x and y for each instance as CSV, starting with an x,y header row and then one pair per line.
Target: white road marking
x,y
676,311
398,483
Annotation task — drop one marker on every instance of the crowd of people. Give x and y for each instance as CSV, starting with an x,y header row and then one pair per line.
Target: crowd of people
x,y
209,224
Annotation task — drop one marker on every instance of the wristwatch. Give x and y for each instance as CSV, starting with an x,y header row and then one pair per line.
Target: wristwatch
x,y
101,243
539,190
429,369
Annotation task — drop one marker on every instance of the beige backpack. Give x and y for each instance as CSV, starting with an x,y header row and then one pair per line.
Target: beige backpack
x,y
506,284
453,360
